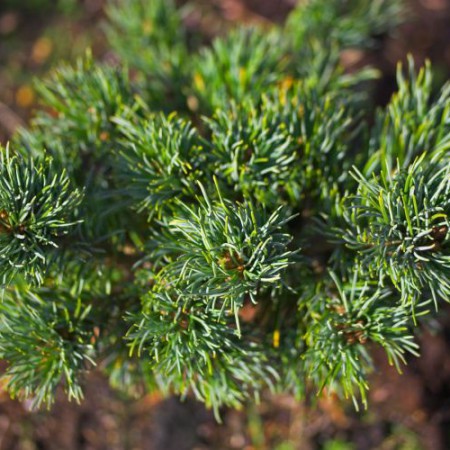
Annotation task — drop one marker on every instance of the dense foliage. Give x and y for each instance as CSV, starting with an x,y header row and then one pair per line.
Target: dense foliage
x,y
229,218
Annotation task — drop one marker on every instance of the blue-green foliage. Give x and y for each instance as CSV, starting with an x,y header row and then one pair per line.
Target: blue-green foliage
x,y
38,207
224,252
344,318
194,348
222,219
242,65
399,228
162,158
49,334
415,121
150,37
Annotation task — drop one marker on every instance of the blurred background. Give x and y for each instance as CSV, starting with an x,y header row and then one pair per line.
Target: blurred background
x,y
406,412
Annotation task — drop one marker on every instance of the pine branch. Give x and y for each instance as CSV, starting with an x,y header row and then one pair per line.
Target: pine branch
x,y
222,252
345,319
399,227
198,228
37,208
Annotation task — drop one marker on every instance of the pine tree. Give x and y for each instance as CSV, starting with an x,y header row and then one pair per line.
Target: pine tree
x,y
234,217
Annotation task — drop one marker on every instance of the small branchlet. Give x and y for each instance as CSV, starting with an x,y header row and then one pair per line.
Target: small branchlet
x,y
399,228
240,66
162,157
79,103
50,335
223,252
413,123
37,208
194,348
151,38
344,321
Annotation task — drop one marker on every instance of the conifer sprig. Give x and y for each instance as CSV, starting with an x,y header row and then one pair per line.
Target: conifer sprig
x,y
38,206
415,121
240,66
400,229
194,348
47,338
345,319
223,252
162,157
